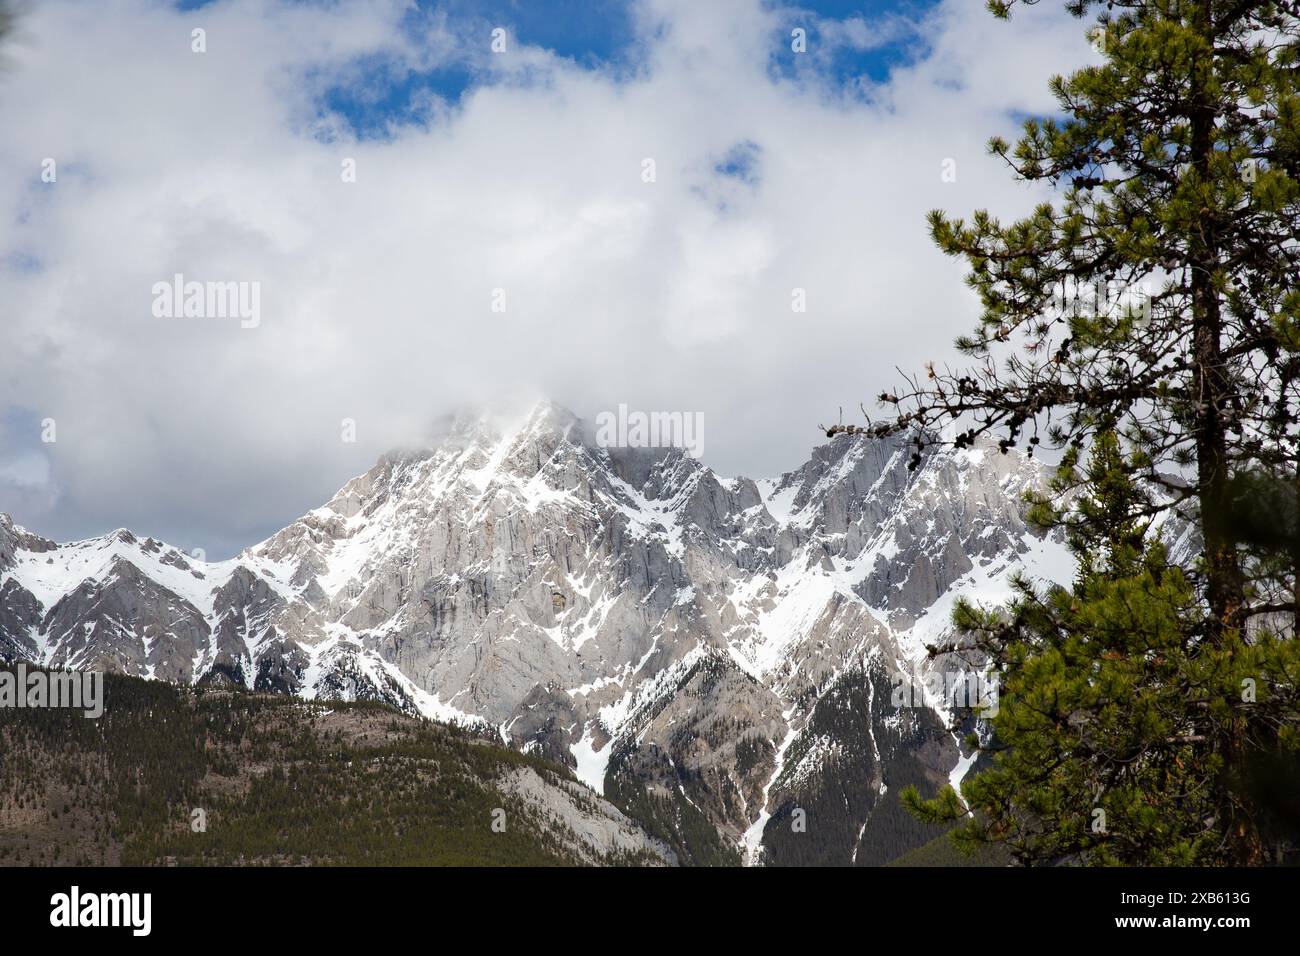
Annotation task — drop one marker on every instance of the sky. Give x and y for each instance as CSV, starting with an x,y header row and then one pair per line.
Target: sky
x,y
447,205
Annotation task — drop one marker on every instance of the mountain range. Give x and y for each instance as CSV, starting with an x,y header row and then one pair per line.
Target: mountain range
x,y
715,656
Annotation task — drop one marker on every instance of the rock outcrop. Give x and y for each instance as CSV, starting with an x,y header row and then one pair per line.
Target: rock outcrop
x,y
725,645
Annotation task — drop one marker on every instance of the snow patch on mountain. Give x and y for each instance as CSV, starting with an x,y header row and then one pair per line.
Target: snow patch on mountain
x,y
518,574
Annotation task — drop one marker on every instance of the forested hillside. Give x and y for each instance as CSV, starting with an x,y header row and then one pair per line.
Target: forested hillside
x,y
175,775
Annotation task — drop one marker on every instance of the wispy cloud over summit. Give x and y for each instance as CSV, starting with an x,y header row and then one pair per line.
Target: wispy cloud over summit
x,y
619,210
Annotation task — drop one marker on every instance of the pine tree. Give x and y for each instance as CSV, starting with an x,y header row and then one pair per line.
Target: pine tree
x,y
1108,697
1156,300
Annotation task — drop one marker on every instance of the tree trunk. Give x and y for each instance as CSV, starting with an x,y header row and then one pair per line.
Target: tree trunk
x,y
1224,589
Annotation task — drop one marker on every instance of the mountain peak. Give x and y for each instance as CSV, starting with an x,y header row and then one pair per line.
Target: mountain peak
x,y
599,606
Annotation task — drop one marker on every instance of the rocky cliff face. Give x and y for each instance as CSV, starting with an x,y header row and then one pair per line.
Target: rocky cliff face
x,y
715,653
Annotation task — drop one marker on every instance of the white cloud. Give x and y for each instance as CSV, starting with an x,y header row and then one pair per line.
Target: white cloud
x,y
376,295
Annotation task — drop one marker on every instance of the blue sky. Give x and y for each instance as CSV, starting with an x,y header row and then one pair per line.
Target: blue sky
x,y
854,44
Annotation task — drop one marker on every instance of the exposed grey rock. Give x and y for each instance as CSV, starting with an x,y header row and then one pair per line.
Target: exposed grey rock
x,y
20,617
544,724
593,605
596,830
126,622
709,736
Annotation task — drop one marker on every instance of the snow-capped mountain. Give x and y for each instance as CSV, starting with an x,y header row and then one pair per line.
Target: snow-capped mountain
x,y
712,654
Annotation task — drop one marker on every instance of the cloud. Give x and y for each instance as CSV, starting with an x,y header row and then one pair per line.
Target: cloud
x,y
377,295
